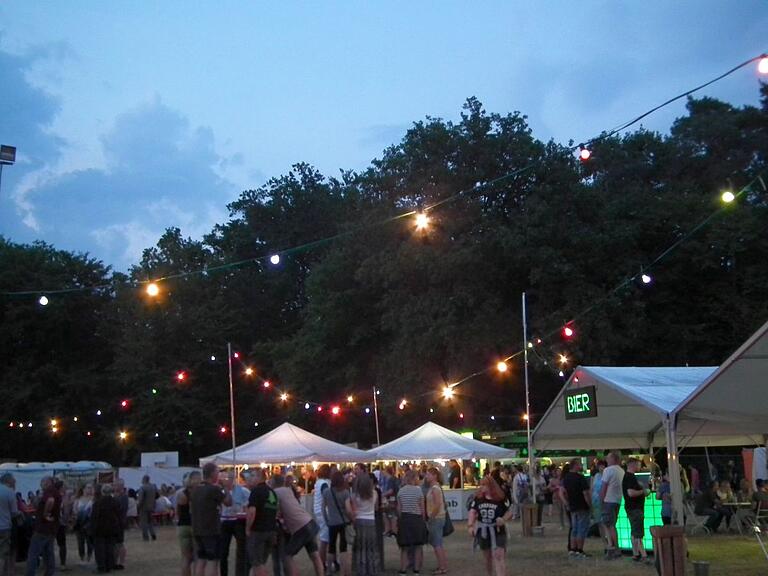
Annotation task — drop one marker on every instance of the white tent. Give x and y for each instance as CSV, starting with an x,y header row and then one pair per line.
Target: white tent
x,y
431,441
631,403
285,444
29,474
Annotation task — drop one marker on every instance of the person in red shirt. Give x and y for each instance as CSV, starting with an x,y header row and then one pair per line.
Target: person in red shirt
x,y
46,526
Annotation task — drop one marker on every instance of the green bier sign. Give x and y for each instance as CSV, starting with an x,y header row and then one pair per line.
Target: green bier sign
x,y
581,403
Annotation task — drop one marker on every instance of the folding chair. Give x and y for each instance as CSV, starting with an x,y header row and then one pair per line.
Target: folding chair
x,y
695,522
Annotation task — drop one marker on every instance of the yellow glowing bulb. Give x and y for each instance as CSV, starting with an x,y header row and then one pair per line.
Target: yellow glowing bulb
x,y
422,221
563,359
54,429
283,396
447,392
728,197
525,416
502,366
762,66
249,371
54,422
123,435
153,289
350,398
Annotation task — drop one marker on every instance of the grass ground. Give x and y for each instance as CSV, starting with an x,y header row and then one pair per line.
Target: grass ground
x,y
545,555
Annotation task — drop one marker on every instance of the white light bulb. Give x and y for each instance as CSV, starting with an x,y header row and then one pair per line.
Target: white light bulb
x,y
43,301
275,259
646,279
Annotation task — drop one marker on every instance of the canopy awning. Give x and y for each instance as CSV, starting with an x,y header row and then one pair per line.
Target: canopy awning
x,y
285,444
733,401
433,442
631,405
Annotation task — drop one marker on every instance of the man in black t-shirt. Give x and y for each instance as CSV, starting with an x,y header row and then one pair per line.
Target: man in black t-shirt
x,y
634,504
260,523
576,496
205,509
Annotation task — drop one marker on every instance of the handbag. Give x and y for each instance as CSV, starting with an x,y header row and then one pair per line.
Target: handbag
x,y
448,527
349,529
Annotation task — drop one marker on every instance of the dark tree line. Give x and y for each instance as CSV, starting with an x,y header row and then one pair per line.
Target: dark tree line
x,y
381,304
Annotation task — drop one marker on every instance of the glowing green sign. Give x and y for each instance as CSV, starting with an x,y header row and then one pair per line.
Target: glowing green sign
x,y
581,403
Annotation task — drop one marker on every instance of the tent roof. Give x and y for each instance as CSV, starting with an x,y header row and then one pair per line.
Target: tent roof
x,y
431,441
733,400
288,443
632,403
54,466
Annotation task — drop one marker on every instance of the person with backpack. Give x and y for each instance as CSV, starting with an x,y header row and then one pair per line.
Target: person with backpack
x,y
260,522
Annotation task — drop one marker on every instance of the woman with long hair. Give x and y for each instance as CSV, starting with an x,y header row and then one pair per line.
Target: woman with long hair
x,y
334,512
412,534
488,514
81,510
436,519
362,509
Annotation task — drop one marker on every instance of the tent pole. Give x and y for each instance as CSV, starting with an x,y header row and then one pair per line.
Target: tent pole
x,y
528,402
376,415
673,471
232,409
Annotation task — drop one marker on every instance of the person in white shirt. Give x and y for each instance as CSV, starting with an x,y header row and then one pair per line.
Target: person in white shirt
x,y
610,498
233,526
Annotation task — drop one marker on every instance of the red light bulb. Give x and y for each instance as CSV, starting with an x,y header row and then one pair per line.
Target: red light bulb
x,y
335,410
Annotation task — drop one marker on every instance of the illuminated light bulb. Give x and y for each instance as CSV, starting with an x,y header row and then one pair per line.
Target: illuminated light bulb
x,y
283,396
646,279
563,359
124,404
157,435
367,410
538,340
255,424
11,425
493,417
525,416
561,373
223,429
236,355
75,419
306,406
267,384
249,371
153,289
461,415
402,406
275,259
54,429
98,412
335,410
530,344
727,197
447,392
88,433
43,300
502,366
213,358
431,410
584,153
350,398
576,379
29,424
568,332
123,435
762,66
422,221
181,376
189,432
319,408
54,422
154,390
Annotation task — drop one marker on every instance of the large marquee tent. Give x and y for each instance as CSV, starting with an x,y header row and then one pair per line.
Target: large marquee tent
x,y
285,444
433,442
639,408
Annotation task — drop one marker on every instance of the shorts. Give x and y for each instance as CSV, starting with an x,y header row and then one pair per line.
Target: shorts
x,y
186,541
341,532
208,547
580,520
5,544
610,513
259,545
501,540
120,538
304,537
435,528
322,532
391,510
636,523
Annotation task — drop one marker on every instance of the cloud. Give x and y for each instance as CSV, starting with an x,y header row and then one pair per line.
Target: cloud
x,y
160,172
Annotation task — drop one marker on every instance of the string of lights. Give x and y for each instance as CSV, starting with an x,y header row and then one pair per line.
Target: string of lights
x,y
421,215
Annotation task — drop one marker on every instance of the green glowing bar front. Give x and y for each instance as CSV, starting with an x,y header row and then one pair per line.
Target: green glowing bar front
x,y
652,518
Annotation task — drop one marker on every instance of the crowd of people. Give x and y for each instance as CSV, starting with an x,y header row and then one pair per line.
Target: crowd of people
x,y
353,511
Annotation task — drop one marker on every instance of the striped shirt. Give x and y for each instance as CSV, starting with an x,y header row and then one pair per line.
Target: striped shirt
x,y
410,499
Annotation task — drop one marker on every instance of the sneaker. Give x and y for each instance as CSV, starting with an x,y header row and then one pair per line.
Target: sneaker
x,y
572,554
584,555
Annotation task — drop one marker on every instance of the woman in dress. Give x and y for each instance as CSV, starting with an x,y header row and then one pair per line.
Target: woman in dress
x,y
361,508
436,519
81,510
488,514
554,491
412,534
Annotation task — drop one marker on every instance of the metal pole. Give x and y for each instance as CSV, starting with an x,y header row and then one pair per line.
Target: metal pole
x,y
232,409
528,402
376,415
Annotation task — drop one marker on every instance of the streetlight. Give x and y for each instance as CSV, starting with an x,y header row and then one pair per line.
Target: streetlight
x,y
7,158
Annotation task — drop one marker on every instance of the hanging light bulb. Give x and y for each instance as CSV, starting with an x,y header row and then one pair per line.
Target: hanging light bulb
x,y
267,384
727,197
568,332
350,398
561,373
502,366
275,259
448,392
563,359
762,65
181,376
584,153
152,289
306,406
43,301
283,397
367,410
249,371
646,278
422,221
336,410
123,435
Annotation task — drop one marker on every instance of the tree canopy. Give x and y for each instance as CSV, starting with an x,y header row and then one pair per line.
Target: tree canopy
x,y
361,298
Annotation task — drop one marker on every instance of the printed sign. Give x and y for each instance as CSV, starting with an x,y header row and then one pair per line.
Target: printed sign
x,y
581,403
